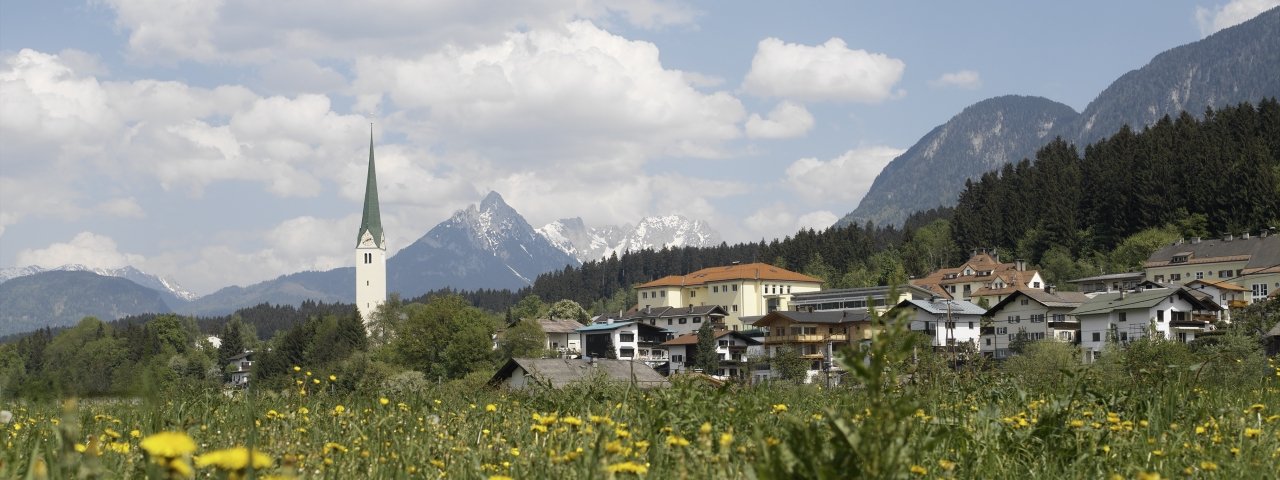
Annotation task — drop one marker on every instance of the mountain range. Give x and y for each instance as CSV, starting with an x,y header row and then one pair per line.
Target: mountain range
x,y
1235,65
573,237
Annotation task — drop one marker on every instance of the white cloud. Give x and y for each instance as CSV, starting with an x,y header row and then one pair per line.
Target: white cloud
x,y
1233,13
831,71
966,79
122,207
87,248
787,120
844,179
299,75
250,31
818,220
579,92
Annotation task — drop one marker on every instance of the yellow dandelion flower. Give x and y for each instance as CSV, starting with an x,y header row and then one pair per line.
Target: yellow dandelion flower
x,y
515,451
135,433
1077,423
779,408
574,421
1257,407
628,467
384,401
499,477
437,463
726,439
1149,476
333,378
297,368
947,465
1208,466
338,410
168,444
233,459
490,408
675,441
705,429
180,468
1252,432
919,470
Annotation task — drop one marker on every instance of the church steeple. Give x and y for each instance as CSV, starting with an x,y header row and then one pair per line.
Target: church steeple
x,y
372,220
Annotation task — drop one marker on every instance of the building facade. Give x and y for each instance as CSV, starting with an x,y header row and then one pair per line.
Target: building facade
x,y
732,348
742,290
1252,262
982,277
562,336
630,340
951,325
371,249
879,299
1173,313
815,336
679,320
1031,315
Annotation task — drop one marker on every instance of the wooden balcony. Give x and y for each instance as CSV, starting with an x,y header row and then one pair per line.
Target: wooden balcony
x,y
838,337
1234,304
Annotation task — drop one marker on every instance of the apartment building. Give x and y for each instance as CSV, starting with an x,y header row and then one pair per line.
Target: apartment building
x,y
742,290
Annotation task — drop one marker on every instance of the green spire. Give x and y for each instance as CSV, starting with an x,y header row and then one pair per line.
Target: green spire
x,y
372,220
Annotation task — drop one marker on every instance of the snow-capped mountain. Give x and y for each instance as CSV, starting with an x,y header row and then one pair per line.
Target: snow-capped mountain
x,y
483,246
593,243
139,277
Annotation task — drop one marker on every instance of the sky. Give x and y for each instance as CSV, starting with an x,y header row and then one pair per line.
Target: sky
x,y
224,142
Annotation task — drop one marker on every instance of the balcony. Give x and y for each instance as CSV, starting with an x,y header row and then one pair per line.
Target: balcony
x,y
1234,304
838,337
1064,325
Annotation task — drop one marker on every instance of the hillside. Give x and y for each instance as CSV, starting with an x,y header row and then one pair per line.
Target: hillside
x,y
63,298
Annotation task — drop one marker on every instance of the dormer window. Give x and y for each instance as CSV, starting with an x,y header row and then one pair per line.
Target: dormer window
x,y
1179,259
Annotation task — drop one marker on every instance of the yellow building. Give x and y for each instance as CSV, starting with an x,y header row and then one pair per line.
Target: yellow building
x,y
1252,262
742,290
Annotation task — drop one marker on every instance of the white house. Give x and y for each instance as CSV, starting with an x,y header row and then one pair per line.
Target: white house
x,y
562,336
631,341
679,320
1224,293
731,348
1031,315
241,366
948,323
1174,313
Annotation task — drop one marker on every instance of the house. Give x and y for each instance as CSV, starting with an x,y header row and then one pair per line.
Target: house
x,y
562,336
981,277
1174,313
1227,294
880,298
1271,340
949,324
678,320
1031,315
731,347
631,340
520,373
815,336
1113,282
740,289
240,367
1250,261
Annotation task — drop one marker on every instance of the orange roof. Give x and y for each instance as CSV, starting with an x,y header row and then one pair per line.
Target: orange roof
x,y
981,262
1220,284
748,271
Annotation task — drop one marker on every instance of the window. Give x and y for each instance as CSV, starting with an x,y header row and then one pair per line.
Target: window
x,y
735,287
683,320
626,352
1124,336
697,319
644,294
626,337
1159,315
693,293
715,289
735,307
668,321
1259,290
1023,302
970,324
1124,316
677,358
1064,336
788,289
1002,330
1038,318
663,294
1036,284
1224,273
653,321
1179,259
1173,277
723,343
1199,275
1097,336
1159,278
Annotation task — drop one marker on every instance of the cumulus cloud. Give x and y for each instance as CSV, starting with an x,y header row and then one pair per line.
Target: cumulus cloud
x,y
831,71
122,207
1233,13
86,248
545,94
966,79
818,220
777,220
844,179
249,31
787,120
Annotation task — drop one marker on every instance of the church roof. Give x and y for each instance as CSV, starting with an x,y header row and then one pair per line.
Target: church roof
x,y
371,221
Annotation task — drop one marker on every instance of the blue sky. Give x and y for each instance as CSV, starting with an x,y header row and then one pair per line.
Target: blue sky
x,y
223,142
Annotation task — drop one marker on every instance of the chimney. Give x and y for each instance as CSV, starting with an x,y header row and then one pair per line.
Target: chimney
x,y
1195,240
647,310
1228,237
1020,265
1050,289
1264,233
1122,294
1245,235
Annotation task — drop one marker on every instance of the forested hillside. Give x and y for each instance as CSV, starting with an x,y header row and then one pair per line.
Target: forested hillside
x,y
1207,177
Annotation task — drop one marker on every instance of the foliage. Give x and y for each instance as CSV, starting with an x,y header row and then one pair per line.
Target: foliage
x,y
788,365
706,357
443,338
524,339
568,310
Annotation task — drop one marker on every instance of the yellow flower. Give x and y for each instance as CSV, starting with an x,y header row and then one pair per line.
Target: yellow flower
x,y
333,378
180,468
490,408
1208,466
297,368
705,429
1257,407
499,477
1077,423
515,451
574,421
919,470
1149,476
383,401
779,408
111,433
339,409
947,465
726,439
233,459
675,441
135,433
1252,432
628,467
168,444
437,463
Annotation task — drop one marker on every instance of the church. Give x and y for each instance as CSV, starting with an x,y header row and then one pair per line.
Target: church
x,y
371,249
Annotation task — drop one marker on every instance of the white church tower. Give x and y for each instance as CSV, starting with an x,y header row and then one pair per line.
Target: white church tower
x,y
371,250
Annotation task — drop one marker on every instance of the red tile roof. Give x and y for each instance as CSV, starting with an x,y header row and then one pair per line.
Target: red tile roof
x,y
747,271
